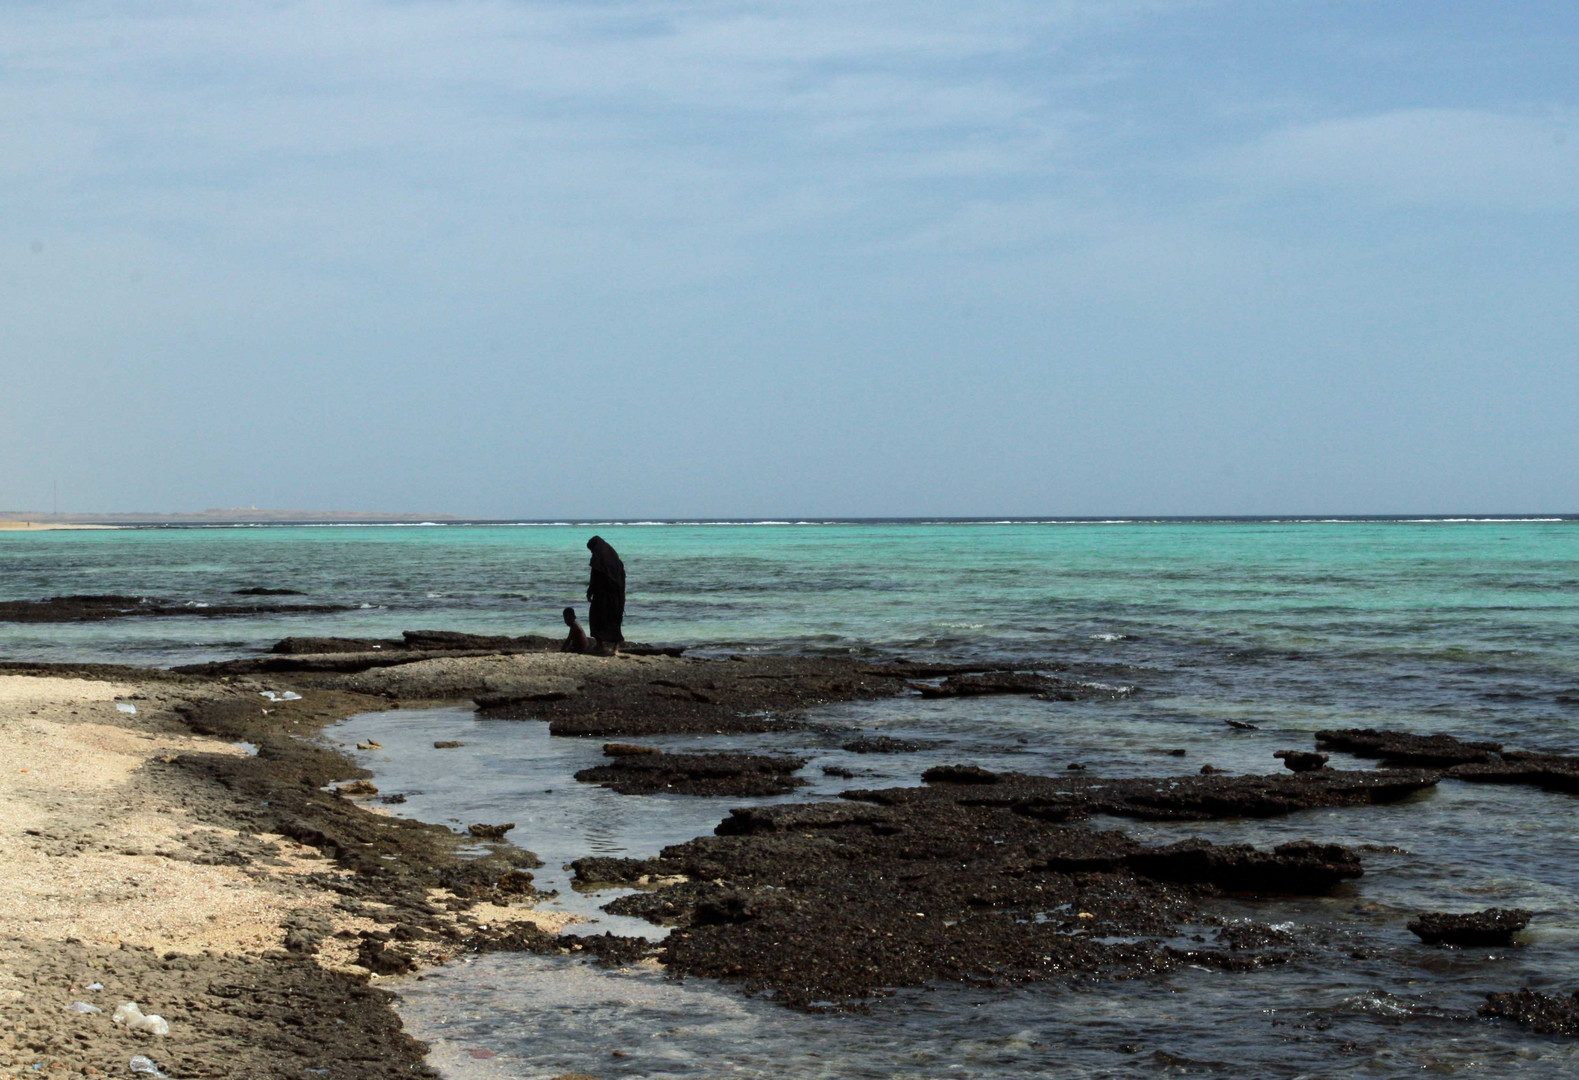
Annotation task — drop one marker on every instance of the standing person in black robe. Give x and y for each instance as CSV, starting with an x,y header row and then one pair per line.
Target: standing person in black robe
x,y
606,590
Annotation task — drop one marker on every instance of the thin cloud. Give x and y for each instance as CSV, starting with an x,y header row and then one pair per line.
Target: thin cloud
x,y
1446,158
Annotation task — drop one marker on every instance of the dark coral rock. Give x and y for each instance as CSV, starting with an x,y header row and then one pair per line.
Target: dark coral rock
x,y
317,646
1401,748
490,832
755,820
1473,762
744,694
1544,1014
824,904
602,872
1301,760
1175,798
737,775
1303,867
1553,772
453,641
996,682
959,774
97,608
1013,682
884,744
625,749
516,883
382,960
1494,926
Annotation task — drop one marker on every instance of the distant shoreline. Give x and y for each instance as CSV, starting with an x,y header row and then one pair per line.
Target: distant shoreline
x,y
21,522
33,519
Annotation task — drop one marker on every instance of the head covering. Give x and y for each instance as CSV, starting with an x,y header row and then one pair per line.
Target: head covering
x,y
606,562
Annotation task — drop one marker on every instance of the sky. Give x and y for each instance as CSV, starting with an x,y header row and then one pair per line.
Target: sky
x,y
675,258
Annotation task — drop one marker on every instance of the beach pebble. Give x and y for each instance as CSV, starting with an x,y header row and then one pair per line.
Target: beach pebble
x,y
145,1066
126,707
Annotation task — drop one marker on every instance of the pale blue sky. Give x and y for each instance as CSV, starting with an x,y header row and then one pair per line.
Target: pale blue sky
x,y
864,257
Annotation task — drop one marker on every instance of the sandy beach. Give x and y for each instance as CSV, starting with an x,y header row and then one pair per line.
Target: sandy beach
x,y
130,876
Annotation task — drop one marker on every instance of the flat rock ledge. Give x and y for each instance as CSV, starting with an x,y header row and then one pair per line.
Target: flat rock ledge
x,y
1459,759
1172,798
826,905
657,773
738,694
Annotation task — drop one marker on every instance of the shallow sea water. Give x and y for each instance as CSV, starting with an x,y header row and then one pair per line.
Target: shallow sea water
x,y
1465,627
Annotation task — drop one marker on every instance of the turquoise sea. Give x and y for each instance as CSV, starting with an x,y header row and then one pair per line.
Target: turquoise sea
x,y
1462,626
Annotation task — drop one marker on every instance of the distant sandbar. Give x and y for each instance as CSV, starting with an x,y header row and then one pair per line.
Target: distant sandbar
x,y
48,526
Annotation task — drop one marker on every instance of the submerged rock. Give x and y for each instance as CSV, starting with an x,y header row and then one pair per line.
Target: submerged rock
x,y
885,744
96,608
1544,1014
1493,926
1011,682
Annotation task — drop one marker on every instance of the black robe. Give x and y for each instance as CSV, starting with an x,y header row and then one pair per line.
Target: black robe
x,y
606,590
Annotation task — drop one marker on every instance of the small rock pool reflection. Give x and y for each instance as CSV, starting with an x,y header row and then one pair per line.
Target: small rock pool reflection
x,y
1368,999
